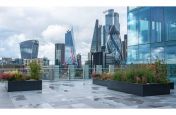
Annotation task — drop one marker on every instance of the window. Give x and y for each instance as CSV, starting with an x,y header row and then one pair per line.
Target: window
x,y
143,31
132,30
171,31
170,55
27,50
157,53
156,32
170,22
144,54
132,54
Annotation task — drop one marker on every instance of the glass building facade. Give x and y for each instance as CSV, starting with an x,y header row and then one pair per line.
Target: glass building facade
x,y
152,35
114,45
29,49
96,40
60,54
70,51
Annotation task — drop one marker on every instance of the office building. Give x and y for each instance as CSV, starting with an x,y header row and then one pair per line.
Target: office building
x,y
151,36
79,61
106,47
70,51
124,49
17,61
114,45
60,54
6,61
29,49
96,40
41,61
111,19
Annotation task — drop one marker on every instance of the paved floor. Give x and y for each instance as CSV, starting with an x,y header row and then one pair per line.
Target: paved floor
x,y
81,94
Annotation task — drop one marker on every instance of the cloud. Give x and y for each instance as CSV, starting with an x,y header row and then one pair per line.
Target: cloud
x,y
48,25
47,50
10,45
54,33
2,49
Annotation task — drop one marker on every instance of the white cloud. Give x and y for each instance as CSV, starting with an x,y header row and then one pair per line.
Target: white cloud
x,y
48,25
54,33
47,50
11,45
2,49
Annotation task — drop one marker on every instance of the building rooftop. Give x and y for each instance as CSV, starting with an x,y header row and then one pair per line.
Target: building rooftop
x,y
81,94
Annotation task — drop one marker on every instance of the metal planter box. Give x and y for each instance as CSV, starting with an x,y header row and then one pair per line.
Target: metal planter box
x,y
171,85
139,89
24,85
100,82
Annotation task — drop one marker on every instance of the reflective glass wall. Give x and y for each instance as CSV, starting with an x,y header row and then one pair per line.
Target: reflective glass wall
x,y
152,35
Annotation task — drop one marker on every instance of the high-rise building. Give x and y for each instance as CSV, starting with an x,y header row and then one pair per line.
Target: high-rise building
x,y
106,47
79,61
124,49
29,49
96,40
114,45
112,40
60,54
111,19
151,36
70,51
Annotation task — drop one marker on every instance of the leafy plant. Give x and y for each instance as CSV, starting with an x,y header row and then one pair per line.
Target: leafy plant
x,y
144,73
118,75
35,70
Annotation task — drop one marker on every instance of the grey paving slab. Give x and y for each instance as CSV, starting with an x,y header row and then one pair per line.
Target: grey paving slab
x,y
81,94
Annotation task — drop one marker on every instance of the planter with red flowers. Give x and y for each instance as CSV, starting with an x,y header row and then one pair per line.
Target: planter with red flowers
x,y
17,81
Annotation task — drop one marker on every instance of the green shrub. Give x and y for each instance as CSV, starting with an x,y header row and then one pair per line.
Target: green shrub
x,y
35,70
118,75
144,73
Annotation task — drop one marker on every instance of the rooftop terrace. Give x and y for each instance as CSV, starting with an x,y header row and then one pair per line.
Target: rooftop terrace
x,y
80,94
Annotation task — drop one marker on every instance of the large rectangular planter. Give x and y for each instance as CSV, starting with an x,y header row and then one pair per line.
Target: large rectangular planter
x,y
24,85
139,89
171,85
100,82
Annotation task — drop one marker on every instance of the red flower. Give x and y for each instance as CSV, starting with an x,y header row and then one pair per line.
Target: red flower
x,y
6,76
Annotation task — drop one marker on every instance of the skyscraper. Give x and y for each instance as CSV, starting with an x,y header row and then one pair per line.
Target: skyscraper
x,y
106,47
60,54
70,51
79,61
112,40
96,40
111,19
114,45
29,49
124,49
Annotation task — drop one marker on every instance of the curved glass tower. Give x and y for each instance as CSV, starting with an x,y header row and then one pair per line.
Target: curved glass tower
x,y
114,45
29,49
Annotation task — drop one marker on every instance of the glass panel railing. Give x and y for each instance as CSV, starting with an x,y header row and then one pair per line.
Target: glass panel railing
x,y
55,73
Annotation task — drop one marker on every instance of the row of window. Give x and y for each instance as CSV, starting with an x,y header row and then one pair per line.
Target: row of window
x,y
150,25
148,54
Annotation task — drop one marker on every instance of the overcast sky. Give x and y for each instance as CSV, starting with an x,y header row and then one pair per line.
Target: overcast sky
x,y
48,25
